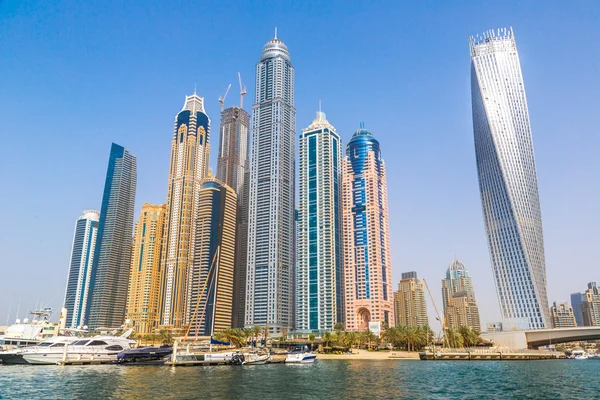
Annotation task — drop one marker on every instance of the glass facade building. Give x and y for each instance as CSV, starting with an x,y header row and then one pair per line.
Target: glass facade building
x,y
319,275
508,181
190,152
80,268
210,292
270,266
233,170
366,240
112,257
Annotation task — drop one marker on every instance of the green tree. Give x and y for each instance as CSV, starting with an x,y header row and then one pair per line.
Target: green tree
x,y
255,332
166,337
453,338
236,337
351,339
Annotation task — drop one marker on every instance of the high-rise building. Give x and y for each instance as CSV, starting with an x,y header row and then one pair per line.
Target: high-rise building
x,y
409,301
80,268
319,254
189,165
590,307
562,315
233,170
508,181
576,300
143,298
210,297
367,261
458,295
270,267
112,257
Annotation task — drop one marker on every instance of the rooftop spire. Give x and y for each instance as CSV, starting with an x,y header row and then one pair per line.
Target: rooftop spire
x,y
275,32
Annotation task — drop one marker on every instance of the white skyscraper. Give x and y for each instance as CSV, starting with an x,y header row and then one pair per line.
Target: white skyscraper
x,y
80,269
507,180
319,254
270,267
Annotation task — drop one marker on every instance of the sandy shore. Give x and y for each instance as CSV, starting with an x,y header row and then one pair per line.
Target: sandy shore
x,y
371,355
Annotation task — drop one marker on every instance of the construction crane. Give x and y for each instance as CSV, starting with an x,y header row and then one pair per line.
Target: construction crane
x,y
222,99
242,91
439,318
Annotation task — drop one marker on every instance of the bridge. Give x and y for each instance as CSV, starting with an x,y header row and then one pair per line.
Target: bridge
x,y
542,337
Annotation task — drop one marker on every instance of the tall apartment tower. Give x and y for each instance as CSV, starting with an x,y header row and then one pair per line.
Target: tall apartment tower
x,y
590,306
508,181
458,295
562,315
367,261
80,268
319,253
112,257
576,300
143,296
233,170
270,267
190,152
409,301
210,296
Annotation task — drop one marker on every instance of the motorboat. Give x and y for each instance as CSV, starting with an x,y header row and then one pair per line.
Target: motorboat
x,y
15,356
145,355
579,355
300,355
205,358
256,359
96,349
29,333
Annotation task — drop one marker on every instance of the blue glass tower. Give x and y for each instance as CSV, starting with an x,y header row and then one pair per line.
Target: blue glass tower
x,y
112,256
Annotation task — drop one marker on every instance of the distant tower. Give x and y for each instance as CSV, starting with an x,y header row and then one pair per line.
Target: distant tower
x,y
189,165
367,259
508,181
590,307
270,267
233,170
409,301
80,268
210,297
144,280
112,257
576,300
562,316
458,295
319,254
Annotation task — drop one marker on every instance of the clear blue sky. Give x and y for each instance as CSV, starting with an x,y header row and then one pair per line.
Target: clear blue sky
x,y
75,76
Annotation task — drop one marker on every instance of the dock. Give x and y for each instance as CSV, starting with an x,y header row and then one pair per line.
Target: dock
x,y
490,355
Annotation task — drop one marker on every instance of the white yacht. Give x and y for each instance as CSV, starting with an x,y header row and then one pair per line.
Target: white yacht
x,y
300,355
29,333
97,349
15,356
579,355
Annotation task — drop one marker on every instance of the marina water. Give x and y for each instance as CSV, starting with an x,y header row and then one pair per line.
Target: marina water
x,y
550,379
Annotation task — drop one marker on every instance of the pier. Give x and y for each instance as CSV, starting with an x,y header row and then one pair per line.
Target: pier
x,y
490,355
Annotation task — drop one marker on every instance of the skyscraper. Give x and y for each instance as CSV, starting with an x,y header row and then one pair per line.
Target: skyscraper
x,y
80,268
458,295
409,301
189,164
233,170
590,306
143,297
576,300
508,181
319,263
210,297
562,316
367,260
270,267
112,257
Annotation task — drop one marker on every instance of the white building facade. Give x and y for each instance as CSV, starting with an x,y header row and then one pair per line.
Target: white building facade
x,y
319,264
508,181
270,266
80,268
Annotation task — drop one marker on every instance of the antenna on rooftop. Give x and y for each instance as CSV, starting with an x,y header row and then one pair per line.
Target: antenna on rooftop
x,y
222,99
275,32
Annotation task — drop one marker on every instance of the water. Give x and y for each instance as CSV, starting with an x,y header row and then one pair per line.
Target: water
x,y
325,379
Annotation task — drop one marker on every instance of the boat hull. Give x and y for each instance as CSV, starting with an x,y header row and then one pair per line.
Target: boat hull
x,y
300,358
56,358
12,359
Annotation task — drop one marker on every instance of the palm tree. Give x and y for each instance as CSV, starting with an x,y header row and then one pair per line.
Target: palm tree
x,y
470,336
351,338
454,338
255,332
236,337
369,337
165,336
266,336
284,333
